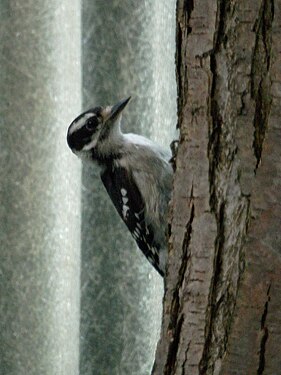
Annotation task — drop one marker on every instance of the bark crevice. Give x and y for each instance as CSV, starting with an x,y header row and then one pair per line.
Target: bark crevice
x,y
176,316
182,31
264,336
215,301
260,75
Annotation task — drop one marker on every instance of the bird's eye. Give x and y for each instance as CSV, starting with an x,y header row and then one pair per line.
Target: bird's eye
x,y
92,123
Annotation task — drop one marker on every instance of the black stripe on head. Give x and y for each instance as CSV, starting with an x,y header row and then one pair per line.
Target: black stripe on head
x,y
77,140
78,137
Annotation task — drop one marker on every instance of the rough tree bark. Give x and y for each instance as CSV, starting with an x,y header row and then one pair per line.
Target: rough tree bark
x,y
222,304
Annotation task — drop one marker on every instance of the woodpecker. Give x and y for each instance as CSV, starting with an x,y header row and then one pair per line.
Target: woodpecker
x,y
135,171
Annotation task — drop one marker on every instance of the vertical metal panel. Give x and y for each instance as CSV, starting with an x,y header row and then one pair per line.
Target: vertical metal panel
x,y
128,49
39,191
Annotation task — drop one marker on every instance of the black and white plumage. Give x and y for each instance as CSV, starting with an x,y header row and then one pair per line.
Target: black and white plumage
x,y
135,172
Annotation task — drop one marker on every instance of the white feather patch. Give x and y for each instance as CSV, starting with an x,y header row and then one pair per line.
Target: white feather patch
x,y
125,210
81,122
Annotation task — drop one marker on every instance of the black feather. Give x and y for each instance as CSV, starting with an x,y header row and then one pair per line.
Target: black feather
x,y
129,203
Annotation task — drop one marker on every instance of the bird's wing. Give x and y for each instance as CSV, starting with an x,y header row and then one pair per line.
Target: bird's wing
x,y
129,203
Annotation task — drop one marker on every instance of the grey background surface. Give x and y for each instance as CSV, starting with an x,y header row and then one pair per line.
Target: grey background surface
x,y
56,59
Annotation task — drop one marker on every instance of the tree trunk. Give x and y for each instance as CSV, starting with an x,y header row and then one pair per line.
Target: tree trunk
x,y
222,299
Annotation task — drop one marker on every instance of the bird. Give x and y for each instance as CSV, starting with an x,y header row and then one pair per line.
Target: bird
x,y
136,172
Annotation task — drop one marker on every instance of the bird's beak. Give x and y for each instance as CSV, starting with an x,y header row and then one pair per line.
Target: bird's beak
x,y
116,109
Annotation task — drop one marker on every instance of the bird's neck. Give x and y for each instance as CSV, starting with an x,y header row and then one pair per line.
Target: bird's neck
x,y
109,149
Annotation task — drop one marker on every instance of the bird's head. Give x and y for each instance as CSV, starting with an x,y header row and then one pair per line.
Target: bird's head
x,y
94,127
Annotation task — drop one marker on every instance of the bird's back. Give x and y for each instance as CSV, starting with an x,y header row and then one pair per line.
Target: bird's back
x,y
149,168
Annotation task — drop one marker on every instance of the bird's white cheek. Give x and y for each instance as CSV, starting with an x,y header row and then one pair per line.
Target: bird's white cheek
x,y
90,145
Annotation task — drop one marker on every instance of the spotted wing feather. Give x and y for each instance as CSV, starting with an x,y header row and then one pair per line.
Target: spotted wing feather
x,y
129,203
